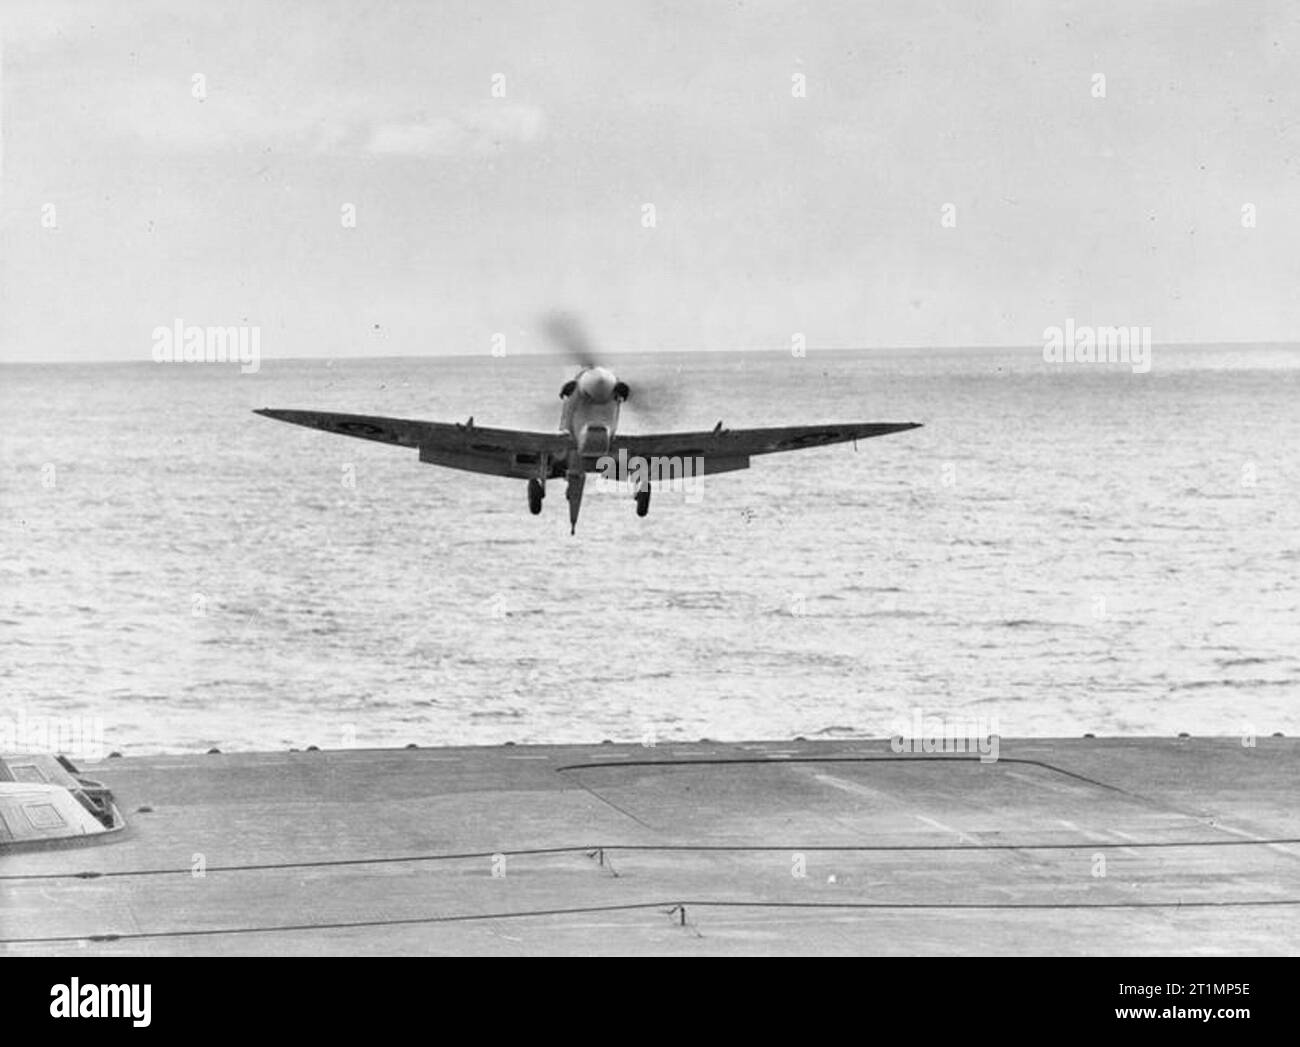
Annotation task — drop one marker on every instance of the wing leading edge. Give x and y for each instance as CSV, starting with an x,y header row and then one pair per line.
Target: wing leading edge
x,y
518,453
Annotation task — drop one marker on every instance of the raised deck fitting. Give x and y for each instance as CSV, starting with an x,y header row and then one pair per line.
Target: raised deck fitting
x,y
44,801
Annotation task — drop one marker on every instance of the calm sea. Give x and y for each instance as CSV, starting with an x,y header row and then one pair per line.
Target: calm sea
x,y
1062,549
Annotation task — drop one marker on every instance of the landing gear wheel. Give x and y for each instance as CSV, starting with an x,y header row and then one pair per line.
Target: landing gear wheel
x,y
536,492
643,501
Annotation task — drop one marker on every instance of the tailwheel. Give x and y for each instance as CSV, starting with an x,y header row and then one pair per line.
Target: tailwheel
x,y
643,500
536,492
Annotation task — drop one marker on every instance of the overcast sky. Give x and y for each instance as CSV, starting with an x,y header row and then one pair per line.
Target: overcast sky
x,y
774,213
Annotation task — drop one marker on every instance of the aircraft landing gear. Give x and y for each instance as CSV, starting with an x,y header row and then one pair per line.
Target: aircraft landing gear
x,y
643,500
536,492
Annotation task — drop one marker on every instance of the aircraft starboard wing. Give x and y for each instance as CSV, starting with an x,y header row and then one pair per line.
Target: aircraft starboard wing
x,y
475,448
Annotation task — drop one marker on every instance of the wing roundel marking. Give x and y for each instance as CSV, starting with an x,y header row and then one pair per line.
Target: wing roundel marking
x,y
808,439
359,428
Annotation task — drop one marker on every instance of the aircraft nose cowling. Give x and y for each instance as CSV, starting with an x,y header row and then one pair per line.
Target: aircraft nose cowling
x,y
598,384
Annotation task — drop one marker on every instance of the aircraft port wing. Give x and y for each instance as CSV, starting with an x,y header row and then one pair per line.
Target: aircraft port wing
x,y
734,445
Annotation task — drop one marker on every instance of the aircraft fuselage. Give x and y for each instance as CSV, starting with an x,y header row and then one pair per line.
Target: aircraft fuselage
x,y
590,416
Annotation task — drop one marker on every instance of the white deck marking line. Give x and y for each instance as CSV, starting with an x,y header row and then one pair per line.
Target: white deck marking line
x,y
1100,838
945,828
1280,847
527,757
855,788
1240,832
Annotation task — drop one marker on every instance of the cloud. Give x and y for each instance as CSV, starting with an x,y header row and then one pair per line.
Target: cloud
x,y
165,113
485,130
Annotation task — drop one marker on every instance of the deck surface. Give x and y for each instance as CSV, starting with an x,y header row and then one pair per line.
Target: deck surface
x,y
1079,846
